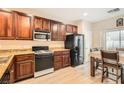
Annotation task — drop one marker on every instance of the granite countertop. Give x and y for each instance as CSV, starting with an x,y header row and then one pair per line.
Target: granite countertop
x,y
59,49
10,55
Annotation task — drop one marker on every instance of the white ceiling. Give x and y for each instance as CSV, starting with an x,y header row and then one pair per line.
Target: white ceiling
x,y
74,14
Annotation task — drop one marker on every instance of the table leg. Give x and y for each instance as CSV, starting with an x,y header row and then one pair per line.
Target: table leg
x,y
122,74
92,66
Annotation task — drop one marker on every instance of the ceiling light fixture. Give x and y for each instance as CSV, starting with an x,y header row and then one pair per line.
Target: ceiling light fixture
x,y
85,14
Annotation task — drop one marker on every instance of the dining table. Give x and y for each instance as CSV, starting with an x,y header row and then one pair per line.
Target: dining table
x,y
96,55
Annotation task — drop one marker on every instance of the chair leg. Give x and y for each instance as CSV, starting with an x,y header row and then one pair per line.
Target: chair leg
x,y
117,76
107,74
102,74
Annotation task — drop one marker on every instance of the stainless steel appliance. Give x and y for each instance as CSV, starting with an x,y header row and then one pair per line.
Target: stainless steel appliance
x,y
41,35
43,60
75,42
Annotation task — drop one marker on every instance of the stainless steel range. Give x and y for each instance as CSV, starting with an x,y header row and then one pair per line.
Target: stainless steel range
x,y
43,60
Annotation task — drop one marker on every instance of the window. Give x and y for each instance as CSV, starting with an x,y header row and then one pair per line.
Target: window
x,y
115,39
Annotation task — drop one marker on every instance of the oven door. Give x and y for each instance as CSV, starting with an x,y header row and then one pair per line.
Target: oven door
x,y
43,62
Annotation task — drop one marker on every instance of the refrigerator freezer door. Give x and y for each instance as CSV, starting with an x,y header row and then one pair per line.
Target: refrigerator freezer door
x,y
81,49
79,45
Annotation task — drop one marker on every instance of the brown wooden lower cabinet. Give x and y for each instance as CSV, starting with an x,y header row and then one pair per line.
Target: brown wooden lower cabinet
x,y
61,59
24,67
66,60
58,61
12,74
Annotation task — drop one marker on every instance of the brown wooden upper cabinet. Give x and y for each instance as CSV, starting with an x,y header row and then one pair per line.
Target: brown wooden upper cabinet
x,y
71,29
41,24
38,23
23,26
58,31
46,24
6,25
54,30
75,29
62,32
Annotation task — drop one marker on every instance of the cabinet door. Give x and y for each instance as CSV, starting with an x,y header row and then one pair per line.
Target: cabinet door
x,y
58,60
61,32
12,74
75,29
66,60
46,24
54,30
6,25
69,29
37,23
23,26
24,69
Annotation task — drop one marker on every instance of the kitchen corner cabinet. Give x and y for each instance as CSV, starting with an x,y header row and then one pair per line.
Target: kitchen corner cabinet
x,y
9,75
23,26
61,59
6,25
24,66
12,73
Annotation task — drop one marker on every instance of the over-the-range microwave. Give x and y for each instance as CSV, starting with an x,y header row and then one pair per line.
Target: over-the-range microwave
x,y
41,35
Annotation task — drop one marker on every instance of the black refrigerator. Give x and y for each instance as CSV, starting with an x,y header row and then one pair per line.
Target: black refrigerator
x,y
76,45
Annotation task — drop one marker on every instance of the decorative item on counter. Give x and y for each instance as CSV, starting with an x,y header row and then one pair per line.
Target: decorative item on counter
x,y
119,22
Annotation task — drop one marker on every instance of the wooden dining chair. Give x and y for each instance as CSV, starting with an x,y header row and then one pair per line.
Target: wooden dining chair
x,y
120,49
98,61
110,59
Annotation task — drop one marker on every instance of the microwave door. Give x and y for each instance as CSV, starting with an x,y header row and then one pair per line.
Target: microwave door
x,y
42,36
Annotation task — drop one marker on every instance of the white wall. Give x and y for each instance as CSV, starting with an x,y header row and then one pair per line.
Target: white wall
x,y
99,29
84,27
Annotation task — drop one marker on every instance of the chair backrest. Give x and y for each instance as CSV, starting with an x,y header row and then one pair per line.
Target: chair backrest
x,y
110,56
120,49
93,49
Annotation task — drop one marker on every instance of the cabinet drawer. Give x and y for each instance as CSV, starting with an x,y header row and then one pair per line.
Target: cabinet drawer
x,y
66,52
58,59
24,57
58,53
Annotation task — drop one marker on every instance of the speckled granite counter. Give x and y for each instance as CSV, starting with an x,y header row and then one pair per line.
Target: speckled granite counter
x,y
10,54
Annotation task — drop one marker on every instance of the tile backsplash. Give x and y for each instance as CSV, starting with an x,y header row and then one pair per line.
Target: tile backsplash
x,y
22,44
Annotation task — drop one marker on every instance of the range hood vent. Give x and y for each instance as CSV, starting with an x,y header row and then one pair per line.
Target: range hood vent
x,y
113,10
